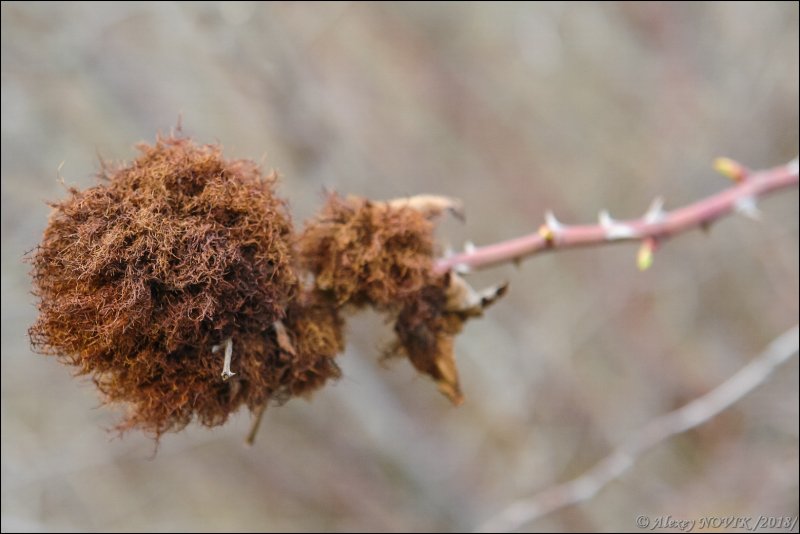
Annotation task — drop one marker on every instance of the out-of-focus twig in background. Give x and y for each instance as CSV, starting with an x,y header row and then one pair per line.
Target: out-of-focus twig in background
x,y
697,412
515,108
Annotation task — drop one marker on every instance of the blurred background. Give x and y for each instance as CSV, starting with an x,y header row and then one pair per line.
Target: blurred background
x,y
516,108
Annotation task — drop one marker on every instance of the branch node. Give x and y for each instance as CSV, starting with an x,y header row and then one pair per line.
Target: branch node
x,y
550,228
547,234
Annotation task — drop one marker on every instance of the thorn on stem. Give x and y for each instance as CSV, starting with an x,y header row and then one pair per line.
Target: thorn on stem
x,y
614,229
655,213
462,268
283,338
605,220
226,365
554,224
747,206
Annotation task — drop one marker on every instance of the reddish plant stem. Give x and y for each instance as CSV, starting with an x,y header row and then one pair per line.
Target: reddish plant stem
x,y
656,225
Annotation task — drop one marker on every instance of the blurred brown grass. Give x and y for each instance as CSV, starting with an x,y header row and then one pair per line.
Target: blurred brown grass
x,y
514,107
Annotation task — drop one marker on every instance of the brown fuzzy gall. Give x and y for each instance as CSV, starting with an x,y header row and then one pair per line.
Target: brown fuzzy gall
x,y
368,253
174,284
139,277
381,254
313,338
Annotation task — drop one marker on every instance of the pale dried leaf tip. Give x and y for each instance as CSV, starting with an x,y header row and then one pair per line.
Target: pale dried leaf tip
x,y
431,206
448,384
491,294
463,298
226,365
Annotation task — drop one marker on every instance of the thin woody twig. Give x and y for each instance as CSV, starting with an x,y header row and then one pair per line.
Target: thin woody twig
x,y
284,341
655,226
258,414
656,431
